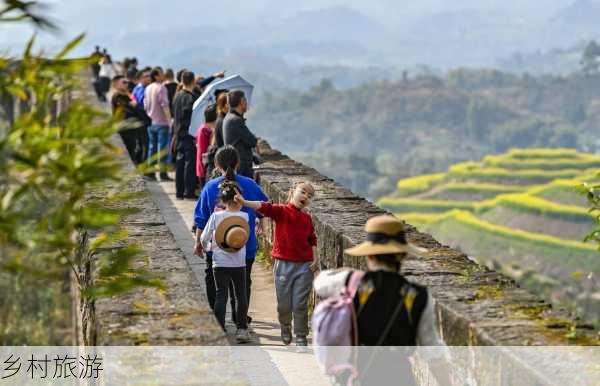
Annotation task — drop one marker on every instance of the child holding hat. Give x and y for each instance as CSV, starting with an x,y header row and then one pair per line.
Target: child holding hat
x,y
294,239
226,234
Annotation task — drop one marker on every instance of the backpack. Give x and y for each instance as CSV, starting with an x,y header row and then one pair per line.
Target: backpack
x,y
336,332
208,161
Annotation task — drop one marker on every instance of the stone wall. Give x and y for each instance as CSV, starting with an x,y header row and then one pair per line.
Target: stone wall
x,y
475,306
179,315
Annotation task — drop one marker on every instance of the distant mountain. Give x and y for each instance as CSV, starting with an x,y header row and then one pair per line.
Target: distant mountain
x,y
336,24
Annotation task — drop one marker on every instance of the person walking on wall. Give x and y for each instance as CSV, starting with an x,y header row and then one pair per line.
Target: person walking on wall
x,y
185,148
293,243
237,134
389,309
226,234
125,108
227,160
156,104
205,143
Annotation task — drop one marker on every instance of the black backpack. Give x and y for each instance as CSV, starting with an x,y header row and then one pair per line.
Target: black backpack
x,y
208,160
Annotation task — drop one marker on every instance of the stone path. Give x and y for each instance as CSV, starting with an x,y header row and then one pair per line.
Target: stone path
x,y
269,362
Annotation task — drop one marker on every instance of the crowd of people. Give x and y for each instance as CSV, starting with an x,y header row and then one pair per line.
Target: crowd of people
x,y
216,168
157,106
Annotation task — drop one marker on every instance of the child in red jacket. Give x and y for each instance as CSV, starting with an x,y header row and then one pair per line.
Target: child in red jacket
x,y
294,264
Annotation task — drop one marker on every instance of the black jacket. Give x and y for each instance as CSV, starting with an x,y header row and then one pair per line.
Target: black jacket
x,y
183,104
219,131
237,134
121,106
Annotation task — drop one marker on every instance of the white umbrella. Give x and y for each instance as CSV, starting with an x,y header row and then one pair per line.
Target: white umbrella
x,y
234,82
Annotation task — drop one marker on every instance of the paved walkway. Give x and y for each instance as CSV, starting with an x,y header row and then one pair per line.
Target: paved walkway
x,y
271,363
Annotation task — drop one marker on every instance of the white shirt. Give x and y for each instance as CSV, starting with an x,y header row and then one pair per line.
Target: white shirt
x,y
331,282
220,257
107,70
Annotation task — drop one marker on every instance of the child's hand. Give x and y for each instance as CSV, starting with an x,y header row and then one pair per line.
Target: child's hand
x,y
314,266
198,250
239,199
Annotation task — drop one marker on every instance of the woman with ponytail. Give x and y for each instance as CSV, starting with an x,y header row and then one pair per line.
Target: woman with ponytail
x,y
227,162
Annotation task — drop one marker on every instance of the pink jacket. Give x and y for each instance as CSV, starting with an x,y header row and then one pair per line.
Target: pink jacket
x,y
202,142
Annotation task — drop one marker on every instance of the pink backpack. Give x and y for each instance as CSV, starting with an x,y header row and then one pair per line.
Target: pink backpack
x,y
336,332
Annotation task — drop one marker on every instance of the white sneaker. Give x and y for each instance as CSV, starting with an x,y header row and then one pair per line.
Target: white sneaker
x,y
242,336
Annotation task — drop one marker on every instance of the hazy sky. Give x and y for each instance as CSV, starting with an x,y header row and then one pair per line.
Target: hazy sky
x,y
145,26
95,16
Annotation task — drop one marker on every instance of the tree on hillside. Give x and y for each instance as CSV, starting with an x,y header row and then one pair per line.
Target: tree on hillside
x,y
589,60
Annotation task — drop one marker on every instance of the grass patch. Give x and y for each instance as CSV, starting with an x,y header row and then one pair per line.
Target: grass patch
x,y
418,184
561,192
418,219
471,191
582,162
482,239
542,153
470,172
401,205
539,206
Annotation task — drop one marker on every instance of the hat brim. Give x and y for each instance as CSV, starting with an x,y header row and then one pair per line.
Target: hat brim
x,y
227,223
368,248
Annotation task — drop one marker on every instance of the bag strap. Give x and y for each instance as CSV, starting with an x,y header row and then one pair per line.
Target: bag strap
x,y
354,282
404,292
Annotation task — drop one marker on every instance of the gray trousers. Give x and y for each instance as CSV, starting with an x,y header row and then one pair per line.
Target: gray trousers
x,y
293,282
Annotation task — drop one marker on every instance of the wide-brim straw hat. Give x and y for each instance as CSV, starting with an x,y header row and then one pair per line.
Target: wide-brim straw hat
x,y
232,233
385,235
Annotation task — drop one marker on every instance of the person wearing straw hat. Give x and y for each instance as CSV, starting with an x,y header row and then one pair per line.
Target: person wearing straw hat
x,y
390,310
226,235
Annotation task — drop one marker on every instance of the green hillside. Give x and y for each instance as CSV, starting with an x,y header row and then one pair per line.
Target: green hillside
x,y
519,212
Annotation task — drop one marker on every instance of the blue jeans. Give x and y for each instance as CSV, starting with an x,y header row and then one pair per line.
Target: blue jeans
x,y
158,142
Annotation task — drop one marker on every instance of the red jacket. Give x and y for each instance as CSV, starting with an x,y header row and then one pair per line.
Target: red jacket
x,y
202,142
294,232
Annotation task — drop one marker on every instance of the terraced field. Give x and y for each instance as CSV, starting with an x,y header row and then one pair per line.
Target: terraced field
x,y
519,212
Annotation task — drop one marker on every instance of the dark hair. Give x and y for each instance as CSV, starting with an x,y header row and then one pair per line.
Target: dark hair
x,y
132,72
156,71
235,98
222,107
169,73
117,77
391,260
187,78
228,159
228,190
210,113
179,73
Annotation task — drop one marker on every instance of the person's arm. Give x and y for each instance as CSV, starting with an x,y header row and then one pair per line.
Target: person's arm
x,y
163,97
202,213
246,135
146,99
186,114
249,204
207,232
330,282
312,241
267,209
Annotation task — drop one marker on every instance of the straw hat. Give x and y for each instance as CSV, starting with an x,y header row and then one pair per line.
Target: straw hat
x,y
385,235
232,233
